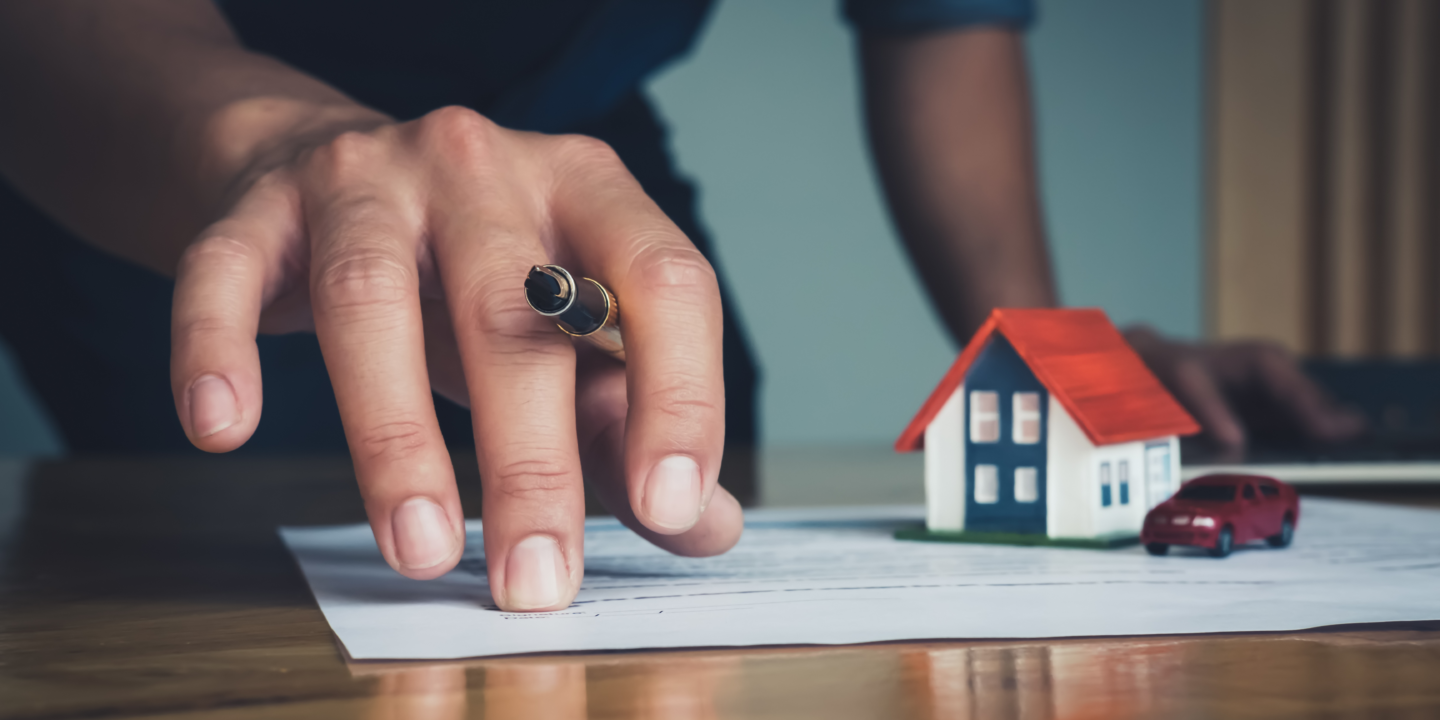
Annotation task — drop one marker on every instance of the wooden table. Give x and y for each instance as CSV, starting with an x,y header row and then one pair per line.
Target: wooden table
x,y
158,588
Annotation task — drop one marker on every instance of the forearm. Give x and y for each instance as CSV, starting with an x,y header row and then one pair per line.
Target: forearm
x,y
130,121
950,128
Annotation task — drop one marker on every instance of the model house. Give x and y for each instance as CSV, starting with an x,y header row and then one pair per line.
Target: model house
x,y
1048,425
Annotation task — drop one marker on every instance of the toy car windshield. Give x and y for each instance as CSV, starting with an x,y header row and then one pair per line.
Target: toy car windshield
x,y
1208,493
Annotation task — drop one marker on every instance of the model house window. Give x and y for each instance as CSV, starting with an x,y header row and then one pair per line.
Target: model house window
x,y
987,484
1122,474
1027,485
984,416
1104,484
1026,417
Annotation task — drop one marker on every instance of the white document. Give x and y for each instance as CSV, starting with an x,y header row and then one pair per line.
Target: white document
x,y
837,576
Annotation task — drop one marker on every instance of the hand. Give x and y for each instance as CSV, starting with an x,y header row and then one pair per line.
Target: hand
x,y
404,247
1234,388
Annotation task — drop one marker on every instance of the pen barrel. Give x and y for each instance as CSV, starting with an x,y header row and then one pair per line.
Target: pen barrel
x,y
594,317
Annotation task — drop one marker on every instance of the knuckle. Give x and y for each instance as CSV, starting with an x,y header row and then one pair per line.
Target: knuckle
x,y
363,279
684,398
200,331
533,479
587,161
350,153
661,263
459,132
281,179
394,441
456,120
501,314
218,248
588,151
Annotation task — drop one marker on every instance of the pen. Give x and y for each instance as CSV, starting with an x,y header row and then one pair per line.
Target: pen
x,y
583,309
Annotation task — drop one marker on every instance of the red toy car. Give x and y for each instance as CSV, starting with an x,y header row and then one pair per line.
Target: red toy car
x,y
1218,512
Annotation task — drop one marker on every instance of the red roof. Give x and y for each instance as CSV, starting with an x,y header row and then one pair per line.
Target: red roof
x,y
1085,363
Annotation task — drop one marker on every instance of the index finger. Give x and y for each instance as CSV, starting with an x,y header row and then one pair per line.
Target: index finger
x,y
671,318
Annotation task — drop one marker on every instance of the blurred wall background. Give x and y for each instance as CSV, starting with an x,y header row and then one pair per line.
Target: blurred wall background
x,y
765,116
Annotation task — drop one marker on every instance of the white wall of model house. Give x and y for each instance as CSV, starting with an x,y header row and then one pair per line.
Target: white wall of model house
x,y
1067,451
1075,470
945,466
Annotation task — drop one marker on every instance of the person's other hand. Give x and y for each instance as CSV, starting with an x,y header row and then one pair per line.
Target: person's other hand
x,y
1233,389
404,247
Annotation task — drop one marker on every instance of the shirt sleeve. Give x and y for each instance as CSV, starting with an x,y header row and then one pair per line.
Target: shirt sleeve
x,y
909,16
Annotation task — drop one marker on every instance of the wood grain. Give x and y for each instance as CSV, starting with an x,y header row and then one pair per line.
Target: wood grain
x,y
1323,164
1405,312
158,588
1260,166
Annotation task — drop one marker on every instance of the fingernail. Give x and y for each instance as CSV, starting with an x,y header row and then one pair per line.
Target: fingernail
x,y
672,493
212,406
534,574
423,536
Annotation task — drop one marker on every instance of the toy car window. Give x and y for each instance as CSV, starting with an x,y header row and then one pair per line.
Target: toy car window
x,y
1269,491
1207,493
1249,492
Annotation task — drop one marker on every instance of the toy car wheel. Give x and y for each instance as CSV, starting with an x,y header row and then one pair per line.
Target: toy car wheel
x,y
1157,548
1282,538
1224,543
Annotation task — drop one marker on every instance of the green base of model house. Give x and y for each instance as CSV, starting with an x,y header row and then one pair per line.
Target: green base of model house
x,y
1104,542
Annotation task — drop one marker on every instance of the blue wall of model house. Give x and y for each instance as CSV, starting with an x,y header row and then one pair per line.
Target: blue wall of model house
x,y
1000,369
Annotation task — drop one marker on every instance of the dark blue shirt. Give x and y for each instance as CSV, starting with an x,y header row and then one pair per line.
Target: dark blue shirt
x,y
546,65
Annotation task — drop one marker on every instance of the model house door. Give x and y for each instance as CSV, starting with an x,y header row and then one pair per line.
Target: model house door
x,y
1005,421
1158,484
